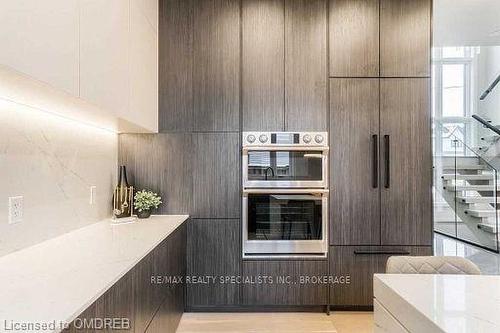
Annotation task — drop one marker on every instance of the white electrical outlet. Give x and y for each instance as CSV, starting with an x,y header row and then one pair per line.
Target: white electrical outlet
x,y
15,209
93,189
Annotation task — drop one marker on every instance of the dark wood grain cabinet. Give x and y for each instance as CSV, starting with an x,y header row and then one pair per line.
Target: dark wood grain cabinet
x,y
198,173
354,169
381,166
270,62
216,64
213,249
149,307
284,65
386,38
405,38
167,259
353,268
175,66
406,195
263,65
170,260
380,134
354,38
278,282
159,162
169,313
148,297
117,302
199,65
216,170
306,75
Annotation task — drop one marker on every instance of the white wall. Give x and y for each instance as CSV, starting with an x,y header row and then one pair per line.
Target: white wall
x,y
52,162
466,22
489,108
72,74
489,60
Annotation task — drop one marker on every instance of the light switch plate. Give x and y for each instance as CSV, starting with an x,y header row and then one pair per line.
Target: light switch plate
x,y
93,189
15,209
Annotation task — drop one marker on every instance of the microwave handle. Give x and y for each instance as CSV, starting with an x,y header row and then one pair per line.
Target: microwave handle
x,y
285,148
246,191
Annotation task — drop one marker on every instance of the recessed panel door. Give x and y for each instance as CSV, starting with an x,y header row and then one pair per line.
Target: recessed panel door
x,y
354,170
406,196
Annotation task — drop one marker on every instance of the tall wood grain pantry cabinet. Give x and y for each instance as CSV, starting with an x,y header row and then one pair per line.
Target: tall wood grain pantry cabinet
x,y
359,69
380,132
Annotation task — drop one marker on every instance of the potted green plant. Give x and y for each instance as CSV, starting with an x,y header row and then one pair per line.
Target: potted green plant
x,y
144,202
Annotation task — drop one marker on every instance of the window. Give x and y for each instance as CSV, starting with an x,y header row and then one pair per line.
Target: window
x,y
453,52
452,94
453,90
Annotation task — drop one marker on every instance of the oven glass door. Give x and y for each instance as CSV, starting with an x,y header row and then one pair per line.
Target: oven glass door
x,y
285,216
288,168
281,222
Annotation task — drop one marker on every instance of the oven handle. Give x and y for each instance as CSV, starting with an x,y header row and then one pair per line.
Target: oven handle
x,y
284,190
286,148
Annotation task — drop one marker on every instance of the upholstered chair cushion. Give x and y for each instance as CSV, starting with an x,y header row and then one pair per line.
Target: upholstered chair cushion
x,y
430,265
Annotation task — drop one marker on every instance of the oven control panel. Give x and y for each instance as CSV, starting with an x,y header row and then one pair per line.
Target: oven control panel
x,y
285,138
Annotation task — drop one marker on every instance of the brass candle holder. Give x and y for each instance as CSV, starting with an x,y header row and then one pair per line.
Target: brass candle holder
x,y
123,202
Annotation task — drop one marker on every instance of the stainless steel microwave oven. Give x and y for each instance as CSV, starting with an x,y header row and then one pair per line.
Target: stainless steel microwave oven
x,y
285,194
285,160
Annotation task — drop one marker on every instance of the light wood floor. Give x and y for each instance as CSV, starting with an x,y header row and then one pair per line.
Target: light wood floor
x,y
337,322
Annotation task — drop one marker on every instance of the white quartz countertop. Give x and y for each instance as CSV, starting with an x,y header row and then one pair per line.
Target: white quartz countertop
x,y
441,303
58,279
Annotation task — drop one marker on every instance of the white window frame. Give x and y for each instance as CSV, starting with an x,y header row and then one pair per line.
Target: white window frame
x,y
437,85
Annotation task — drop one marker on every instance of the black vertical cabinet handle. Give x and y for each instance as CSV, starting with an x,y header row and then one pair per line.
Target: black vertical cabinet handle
x,y
387,158
375,160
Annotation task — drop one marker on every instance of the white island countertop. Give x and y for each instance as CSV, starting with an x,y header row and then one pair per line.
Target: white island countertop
x,y
440,303
58,279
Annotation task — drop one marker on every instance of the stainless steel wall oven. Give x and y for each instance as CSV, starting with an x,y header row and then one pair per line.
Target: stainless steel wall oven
x,y
285,194
285,160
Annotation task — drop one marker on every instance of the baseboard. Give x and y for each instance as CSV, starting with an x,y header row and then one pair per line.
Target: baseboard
x,y
256,308
351,307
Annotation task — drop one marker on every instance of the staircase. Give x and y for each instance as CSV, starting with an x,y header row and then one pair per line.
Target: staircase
x,y
467,183
472,188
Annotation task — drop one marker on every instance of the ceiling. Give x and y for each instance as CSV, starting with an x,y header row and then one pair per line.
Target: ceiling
x,y
466,22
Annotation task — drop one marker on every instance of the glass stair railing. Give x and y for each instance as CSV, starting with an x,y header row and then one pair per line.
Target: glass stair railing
x,y
465,192
487,135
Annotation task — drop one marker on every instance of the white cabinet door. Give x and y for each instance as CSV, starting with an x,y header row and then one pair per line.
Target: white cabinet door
x,y
143,70
40,39
104,54
150,9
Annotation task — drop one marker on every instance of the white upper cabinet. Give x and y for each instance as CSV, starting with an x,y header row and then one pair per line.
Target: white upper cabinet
x,y
100,51
104,54
40,39
150,10
143,68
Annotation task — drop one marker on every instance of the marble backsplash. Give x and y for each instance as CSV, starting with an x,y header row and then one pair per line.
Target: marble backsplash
x,y
52,162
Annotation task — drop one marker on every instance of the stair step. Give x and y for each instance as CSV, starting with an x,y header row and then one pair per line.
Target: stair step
x,y
477,199
452,188
490,138
468,177
480,148
491,228
480,212
466,167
